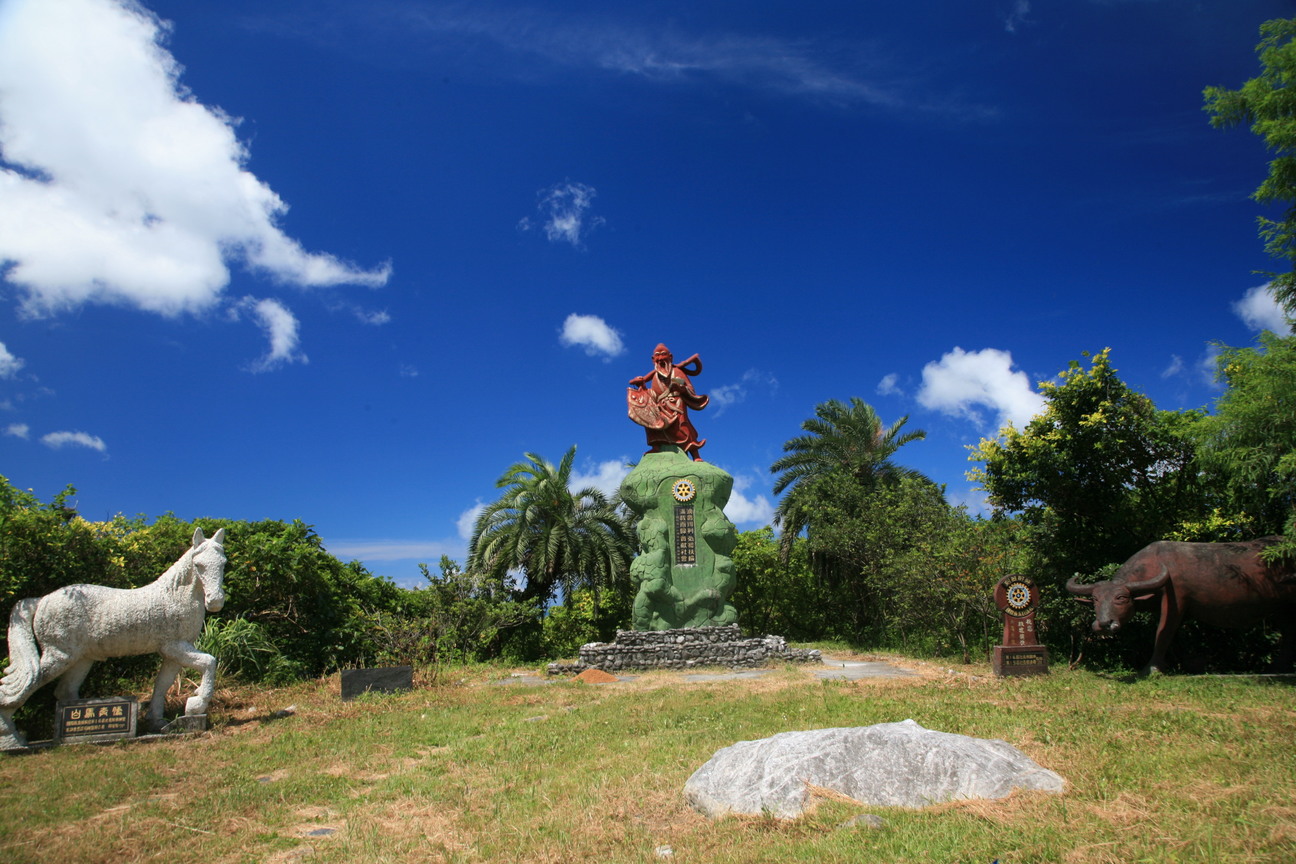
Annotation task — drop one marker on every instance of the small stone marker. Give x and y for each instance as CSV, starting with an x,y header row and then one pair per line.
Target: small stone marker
x,y
1020,653
391,679
87,720
186,723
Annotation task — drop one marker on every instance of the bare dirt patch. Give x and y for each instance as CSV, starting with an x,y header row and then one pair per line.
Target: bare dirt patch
x,y
597,676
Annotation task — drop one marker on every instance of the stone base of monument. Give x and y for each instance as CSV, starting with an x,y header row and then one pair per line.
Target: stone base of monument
x,y
1012,660
684,648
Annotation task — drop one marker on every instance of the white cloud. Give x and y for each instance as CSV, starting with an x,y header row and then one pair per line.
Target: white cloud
x,y
593,334
731,394
18,430
743,509
564,208
1259,311
1176,366
962,380
606,477
58,440
468,520
373,319
1208,367
670,53
281,329
9,364
888,387
1017,16
120,186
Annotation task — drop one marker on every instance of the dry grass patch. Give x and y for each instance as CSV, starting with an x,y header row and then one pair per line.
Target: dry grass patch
x,y
1096,853
1019,808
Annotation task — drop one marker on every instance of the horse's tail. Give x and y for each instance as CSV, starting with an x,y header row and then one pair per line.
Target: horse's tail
x,y
24,655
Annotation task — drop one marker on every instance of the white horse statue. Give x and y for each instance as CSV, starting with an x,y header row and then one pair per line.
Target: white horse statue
x,y
62,634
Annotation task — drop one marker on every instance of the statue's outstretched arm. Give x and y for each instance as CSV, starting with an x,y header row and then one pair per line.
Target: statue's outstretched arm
x,y
691,366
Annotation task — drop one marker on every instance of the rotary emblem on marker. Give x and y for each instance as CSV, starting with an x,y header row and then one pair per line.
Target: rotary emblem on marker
x,y
1019,595
683,491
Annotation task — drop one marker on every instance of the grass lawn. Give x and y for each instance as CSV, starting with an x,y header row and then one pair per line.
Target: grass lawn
x,y
1159,770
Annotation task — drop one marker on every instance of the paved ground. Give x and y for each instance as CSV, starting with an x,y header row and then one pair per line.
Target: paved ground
x,y
832,668
853,670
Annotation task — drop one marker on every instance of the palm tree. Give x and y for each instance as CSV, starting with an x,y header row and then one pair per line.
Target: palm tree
x,y
557,537
842,440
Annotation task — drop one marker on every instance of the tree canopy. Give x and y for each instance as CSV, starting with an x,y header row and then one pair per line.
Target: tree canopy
x,y
555,536
1268,103
841,440
1250,440
860,509
1098,474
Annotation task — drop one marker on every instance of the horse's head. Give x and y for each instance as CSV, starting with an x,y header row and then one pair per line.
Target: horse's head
x,y
208,558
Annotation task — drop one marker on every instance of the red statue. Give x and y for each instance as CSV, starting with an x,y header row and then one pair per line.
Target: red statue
x,y
659,402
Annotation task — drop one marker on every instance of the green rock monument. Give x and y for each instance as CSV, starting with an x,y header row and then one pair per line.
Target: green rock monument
x,y
683,571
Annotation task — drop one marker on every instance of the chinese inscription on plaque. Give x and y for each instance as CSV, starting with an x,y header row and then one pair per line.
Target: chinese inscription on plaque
x,y
96,719
1020,653
685,542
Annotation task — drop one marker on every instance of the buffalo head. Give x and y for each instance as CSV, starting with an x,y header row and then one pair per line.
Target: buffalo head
x,y
1114,599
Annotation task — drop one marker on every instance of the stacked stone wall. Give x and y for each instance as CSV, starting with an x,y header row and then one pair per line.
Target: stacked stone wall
x,y
684,648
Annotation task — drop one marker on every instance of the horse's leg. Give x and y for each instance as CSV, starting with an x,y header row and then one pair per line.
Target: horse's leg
x,y
10,737
54,662
69,685
170,669
186,655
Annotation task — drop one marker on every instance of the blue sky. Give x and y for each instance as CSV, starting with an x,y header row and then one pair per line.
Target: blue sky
x,y
347,262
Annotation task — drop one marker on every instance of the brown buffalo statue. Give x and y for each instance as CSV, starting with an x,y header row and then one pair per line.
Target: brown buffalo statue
x,y
1221,584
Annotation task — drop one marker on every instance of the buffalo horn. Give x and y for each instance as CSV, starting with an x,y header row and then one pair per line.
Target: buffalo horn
x,y
1156,583
1077,588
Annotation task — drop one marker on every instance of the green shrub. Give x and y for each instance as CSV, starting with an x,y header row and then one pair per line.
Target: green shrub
x,y
467,615
245,651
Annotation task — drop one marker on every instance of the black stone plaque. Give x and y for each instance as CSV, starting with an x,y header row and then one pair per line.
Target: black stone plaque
x,y
391,679
685,541
95,720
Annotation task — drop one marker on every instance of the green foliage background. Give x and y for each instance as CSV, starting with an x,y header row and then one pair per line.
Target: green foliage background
x,y
882,561
292,610
1101,473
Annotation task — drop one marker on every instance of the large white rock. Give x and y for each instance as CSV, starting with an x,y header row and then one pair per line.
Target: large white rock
x,y
887,765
